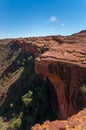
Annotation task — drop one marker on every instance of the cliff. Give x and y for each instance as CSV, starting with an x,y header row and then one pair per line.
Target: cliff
x,y
53,70
64,65
62,62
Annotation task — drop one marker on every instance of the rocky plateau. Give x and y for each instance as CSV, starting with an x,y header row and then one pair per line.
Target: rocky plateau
x,y
61,61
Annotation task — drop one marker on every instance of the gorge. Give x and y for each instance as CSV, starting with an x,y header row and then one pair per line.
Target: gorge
x,y
58,64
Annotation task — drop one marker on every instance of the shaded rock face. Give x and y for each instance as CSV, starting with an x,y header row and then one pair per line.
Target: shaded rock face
x,y
67,80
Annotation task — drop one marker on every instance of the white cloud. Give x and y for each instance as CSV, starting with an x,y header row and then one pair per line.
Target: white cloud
x,y
62,24
53,19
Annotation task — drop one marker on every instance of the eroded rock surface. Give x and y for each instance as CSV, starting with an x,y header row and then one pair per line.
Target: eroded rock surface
x,y
76,122
62,62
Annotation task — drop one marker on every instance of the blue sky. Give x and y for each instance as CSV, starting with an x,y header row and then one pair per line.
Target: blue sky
x,y
24,18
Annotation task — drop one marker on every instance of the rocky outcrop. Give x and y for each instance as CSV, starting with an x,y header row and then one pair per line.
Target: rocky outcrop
x,y
67,80
33,45
64,65
76,122
62,62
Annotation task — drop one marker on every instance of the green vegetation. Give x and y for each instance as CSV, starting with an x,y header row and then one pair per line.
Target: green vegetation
x,y
15,124
30,96
27,98
83,89
1,123
81,96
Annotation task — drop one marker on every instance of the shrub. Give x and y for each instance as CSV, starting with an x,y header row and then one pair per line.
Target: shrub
x,y
11,105
15,124
83,89
27,98
1,123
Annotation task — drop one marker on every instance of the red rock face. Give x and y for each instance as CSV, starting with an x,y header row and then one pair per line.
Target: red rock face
x,y
33,45
62,62
26,45
67,80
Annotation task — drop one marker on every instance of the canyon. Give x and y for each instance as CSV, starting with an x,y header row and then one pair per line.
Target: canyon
x,y
61,62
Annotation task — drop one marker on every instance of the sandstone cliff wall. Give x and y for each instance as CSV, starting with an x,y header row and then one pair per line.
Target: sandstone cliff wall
x,y
62,62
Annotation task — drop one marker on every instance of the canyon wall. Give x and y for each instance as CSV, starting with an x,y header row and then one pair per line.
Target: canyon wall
x,y
67,79
62,62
